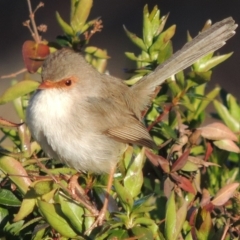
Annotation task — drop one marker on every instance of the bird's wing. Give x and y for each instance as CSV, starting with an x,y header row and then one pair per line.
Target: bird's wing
x,y
118,122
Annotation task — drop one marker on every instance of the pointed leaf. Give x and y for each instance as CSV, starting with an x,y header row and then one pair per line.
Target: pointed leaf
x,y
133,180
227,145
65,27
234,107
81,14
154,19
168,187
223,112
55,217
123,194
73,212
142,233
135,39
181,217
158,160
171,217
183,183
205,227
224,194
181,161
163,39
205,102
16,172
6,123
26,208
7,198
217,131
147,28
17,90
207,65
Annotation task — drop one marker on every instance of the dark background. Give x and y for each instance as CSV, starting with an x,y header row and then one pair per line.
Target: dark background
x,y
187,14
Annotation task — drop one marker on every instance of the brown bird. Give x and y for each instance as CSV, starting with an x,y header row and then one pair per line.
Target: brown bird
x,y
85,118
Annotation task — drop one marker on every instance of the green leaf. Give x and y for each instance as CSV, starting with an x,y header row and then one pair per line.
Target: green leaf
x,y
133,57
19,107
206,225
55,217
147,28
96,52
163,39
17,90
26,208
223,112
190,167
73,212
7,198
4,215
155,21
205,102
142,233
135,39
134,177
200,77
164,54
144,204
207,65
181,217
118,234
234,107
81,14
171,218
43,186
13,228
167,131
67,29
124,196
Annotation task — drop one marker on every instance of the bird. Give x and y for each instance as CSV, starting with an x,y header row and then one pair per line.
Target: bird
x,y
86,119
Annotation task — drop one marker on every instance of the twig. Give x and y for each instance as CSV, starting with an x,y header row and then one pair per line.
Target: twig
x,y
227,226
31,15
12,75
166,110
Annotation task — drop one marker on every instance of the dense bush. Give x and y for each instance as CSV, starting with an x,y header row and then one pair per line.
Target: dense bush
x,y
186,190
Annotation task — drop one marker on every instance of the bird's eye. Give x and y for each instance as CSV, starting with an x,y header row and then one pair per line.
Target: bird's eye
x,y
68,82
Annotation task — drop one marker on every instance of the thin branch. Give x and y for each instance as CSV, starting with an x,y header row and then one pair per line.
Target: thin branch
x,y
12,75
31,15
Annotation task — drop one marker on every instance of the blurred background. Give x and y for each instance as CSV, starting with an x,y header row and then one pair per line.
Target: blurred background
x,y
187,14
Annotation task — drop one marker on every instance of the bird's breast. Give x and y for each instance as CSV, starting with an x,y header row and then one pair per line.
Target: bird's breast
x,y
62,134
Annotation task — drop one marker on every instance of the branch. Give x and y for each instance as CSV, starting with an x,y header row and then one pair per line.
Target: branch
x,y
12,75
35,34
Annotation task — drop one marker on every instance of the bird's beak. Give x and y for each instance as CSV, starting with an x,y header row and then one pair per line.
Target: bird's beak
x,y
46,84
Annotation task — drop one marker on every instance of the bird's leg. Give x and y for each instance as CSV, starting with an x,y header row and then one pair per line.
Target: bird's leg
x,y
102,213
78,194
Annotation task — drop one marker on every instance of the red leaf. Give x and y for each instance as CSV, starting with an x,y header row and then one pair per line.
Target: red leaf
x,y
208,152
6,123
157,160
183,183
217,131
181,161
224,194
34,54
168,187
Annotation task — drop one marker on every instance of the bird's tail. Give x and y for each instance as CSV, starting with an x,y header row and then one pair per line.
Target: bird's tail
x,y
208,41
